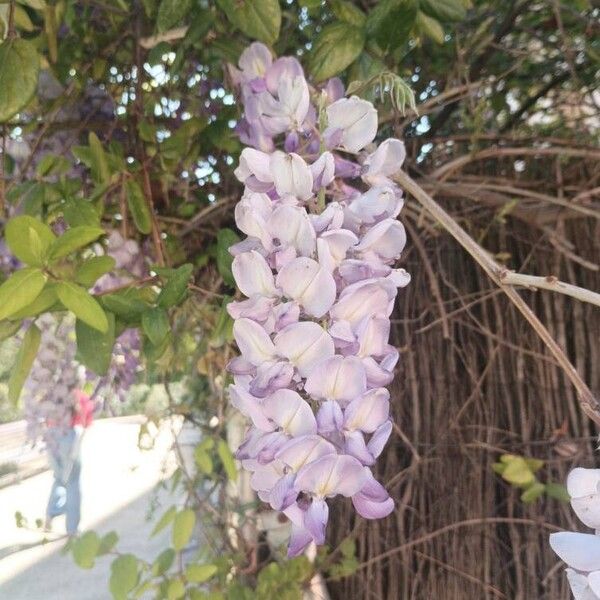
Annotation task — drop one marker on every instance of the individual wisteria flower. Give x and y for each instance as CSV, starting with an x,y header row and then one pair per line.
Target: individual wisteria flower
x,y
581,551
317,271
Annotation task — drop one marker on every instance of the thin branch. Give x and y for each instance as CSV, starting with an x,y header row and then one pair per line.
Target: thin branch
x,y
446,170
452,527
550,283
589,403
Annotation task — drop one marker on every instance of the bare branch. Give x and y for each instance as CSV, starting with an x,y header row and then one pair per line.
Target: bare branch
x,y
589,403
550,283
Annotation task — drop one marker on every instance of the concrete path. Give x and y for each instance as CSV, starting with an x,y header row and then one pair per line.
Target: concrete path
x,y
119,489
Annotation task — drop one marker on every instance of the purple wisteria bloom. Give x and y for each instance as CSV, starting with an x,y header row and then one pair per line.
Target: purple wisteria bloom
x,y
317,272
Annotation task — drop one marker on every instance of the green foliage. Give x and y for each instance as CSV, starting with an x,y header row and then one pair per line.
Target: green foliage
x,y
19,69
72,240
155,323
92,269
29,240
94,349
225,238
337,47
200,573
25,358
19,290
227,460
183,527
138,207
258,19
175,288
171,12
82,305
85,549
520,472
123,576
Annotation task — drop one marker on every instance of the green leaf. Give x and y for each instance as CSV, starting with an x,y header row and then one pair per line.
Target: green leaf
x,y
123,576
391,22
163,562
258,19
82,304
74,239
430,27
226,238
44,302
19,290
29,239
8,329
558,491
85,549
99,158
348,12
167,518
176,287
80,212
535,464
176,589
336,47
155,323
183,527
203,460
518,472
171,13
126,304
444,10
92,269
533,492
25,357
200,573
138,207
227,459
36,4
19,69
94,349
107,543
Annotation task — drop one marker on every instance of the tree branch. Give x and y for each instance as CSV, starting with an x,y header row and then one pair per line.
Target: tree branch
x,y
550,283
588,402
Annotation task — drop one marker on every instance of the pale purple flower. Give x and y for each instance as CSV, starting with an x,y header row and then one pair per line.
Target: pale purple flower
x,y
320,285
352,123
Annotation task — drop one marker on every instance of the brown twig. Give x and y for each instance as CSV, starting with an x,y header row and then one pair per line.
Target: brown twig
x,y
589,403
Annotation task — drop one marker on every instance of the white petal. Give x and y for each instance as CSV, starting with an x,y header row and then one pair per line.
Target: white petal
x,y
291,175
253,275
304,344
313,287
337,378
583,482
292,227
254,343
358,120
579,550
386,239
593,581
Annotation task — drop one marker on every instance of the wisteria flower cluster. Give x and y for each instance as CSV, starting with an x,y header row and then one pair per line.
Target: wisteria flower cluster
x,y
317,271
581,551
48,392
56,372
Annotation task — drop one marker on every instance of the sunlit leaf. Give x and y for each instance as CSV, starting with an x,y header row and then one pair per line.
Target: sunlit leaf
x,y
25,357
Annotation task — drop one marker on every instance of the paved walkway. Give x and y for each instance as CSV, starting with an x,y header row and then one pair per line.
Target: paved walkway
x,y
119,488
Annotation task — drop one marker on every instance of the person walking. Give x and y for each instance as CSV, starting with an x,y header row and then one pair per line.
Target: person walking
x,y
64,448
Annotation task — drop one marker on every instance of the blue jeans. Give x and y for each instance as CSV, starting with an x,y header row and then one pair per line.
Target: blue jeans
x,y
65,495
